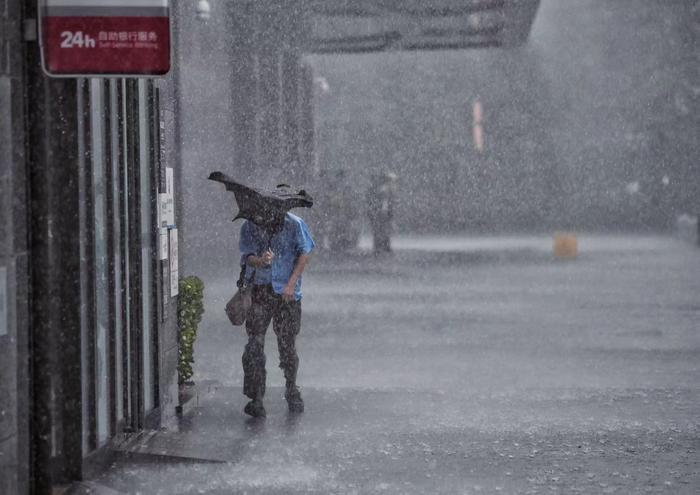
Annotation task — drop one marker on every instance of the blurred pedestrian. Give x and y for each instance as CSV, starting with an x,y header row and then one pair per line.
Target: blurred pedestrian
x,y
277,260
380,210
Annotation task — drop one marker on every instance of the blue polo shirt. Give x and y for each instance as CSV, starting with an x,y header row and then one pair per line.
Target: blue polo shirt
x,y
293,240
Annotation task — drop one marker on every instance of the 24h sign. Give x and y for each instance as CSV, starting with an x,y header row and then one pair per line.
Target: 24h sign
x,y
105,37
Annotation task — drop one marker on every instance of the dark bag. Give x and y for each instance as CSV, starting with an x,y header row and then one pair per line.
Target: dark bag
x,y
238,306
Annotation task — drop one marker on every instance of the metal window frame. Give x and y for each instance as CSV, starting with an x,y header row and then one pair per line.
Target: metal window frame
x,y
125,258
153,122
118,239
89,253
105,144
136,409
111,250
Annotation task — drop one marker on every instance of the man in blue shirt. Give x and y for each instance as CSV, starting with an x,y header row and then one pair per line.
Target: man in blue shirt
x,y
276,262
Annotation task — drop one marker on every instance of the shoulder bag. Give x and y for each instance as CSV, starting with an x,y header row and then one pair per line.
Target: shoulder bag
x,y
237,307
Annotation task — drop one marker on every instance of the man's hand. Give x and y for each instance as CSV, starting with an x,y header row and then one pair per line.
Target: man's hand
x,y
267,257
288,293
261,261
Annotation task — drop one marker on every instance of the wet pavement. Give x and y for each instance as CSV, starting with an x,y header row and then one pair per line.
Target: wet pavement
x,y
457,365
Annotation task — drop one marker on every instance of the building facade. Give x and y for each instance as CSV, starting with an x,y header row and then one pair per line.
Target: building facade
x,y
88,269
88,331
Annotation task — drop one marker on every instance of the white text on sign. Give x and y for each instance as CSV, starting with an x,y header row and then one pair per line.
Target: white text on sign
x,y
77,39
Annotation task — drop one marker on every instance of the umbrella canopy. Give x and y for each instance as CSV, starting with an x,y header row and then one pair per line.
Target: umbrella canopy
x,y
264,208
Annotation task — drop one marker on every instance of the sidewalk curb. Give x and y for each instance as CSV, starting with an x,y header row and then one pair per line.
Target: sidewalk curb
x,y
91,488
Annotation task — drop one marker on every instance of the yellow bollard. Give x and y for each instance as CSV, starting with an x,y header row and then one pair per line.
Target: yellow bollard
x,y
565,245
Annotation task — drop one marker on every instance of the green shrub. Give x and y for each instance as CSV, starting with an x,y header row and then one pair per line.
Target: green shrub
x,y
190,308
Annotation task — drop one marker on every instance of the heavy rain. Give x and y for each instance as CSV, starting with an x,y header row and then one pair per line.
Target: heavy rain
x,y
494,203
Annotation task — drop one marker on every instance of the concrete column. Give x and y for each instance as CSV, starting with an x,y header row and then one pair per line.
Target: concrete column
x,y
14,270
269,109
307,126
54,182
277,47
245,91
172,153
291,136
268,90
291,42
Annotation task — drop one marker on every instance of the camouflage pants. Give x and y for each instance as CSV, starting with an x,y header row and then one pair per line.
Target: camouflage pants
x,y
286,322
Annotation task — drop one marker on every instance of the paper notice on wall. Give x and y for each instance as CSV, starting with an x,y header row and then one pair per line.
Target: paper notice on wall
x,y
166,211
166,201
169,181
3,301
163,237
174,275
162,201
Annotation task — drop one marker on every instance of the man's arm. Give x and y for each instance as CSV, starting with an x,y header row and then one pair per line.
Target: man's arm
x,y
304,246
248,245
299,265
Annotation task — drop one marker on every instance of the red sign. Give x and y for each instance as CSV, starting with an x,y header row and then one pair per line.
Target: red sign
x,y
108,37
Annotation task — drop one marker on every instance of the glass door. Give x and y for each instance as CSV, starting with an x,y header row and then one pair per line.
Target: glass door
x,y
103,372
140,363
146,169
119,317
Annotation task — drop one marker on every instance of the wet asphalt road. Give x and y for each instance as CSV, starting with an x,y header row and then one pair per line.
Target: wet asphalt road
x,y
460,366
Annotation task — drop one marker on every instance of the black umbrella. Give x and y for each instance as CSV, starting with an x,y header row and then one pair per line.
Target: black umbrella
x,y
264,208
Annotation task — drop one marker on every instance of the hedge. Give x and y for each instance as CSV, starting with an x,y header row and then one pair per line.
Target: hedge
x,y
190,308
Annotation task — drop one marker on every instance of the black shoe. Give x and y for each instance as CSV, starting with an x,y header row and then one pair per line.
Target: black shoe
x,y
255,408
294,401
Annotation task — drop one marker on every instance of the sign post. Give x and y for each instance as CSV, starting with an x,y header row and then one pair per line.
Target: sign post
x,y
105,37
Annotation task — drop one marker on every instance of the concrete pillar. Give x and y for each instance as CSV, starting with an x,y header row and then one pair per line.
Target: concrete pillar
x,y
266,95
307,126
245,92
55,185
270,26
291,71
14,268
